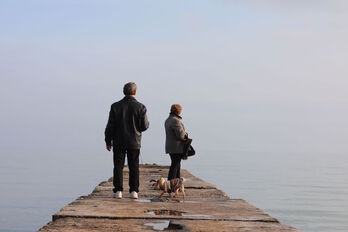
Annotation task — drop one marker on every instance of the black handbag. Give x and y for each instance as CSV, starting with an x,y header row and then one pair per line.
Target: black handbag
x,y
188,149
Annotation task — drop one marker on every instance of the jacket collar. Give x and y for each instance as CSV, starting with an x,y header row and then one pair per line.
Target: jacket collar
x,y
175,115
130,97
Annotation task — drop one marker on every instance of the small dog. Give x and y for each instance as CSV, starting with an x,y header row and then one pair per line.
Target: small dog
x,y
172,186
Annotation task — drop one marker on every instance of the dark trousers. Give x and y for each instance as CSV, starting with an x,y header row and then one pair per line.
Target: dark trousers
x,y
174,170
133,166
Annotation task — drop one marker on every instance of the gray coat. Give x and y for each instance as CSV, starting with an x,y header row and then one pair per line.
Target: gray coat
x,y
175,134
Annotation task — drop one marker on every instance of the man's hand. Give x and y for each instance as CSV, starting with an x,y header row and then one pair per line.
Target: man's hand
x,y
108,147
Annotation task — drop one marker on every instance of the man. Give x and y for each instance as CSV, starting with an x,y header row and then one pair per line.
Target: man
x,y
176,137
127,119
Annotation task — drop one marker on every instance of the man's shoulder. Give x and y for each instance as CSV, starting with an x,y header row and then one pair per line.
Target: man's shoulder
x,y
139,104
115,104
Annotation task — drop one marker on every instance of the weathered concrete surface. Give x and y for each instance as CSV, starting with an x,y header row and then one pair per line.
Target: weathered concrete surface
x,y
206,209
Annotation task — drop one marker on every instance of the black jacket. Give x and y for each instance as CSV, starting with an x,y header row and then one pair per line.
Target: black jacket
x,y
127,119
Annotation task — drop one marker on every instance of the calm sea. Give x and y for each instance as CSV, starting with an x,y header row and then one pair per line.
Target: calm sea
x,y
304,190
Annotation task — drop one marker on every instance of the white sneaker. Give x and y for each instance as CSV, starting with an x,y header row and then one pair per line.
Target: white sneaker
x,y
134,195
118,195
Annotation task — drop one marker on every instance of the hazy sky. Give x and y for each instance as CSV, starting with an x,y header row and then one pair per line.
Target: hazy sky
x,y
250,75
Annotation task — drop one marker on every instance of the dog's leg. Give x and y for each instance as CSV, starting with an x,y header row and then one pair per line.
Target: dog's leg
x,y
183,193
177,193
161,194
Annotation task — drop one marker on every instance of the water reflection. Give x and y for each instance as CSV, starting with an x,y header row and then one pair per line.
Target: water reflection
x,y
166,225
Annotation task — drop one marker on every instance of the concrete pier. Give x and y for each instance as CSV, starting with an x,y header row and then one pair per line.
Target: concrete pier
x,y
206,209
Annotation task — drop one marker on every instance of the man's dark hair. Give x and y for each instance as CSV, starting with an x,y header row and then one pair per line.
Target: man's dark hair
x,y
130,88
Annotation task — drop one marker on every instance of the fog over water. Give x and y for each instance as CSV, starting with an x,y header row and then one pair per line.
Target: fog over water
x,y
263,85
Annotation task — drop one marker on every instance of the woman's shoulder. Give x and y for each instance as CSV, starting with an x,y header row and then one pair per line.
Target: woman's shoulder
x,y
173,120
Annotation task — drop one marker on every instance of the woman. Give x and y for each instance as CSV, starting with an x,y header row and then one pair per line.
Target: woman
x,y
175,138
